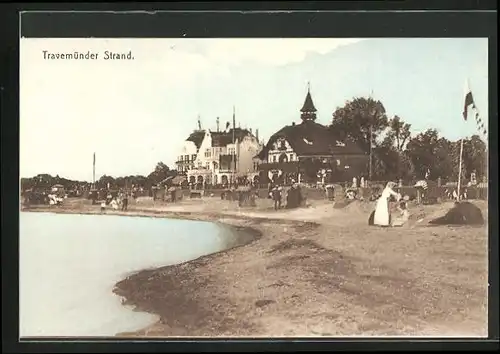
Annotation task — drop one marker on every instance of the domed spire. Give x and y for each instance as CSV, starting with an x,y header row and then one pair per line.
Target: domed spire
x,y
308,111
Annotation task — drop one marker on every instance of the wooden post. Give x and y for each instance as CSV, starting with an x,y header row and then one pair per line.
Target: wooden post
x,y
371,148
93,173
460,169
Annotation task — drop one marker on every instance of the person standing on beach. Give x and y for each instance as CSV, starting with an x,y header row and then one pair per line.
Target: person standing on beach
x,y
276,193
382,214
125,201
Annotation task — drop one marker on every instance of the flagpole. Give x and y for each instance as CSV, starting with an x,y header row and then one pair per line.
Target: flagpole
x,y
234,153
371,148
93,173
460,168
371,143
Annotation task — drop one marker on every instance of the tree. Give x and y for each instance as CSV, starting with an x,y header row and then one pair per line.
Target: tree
x,y
429,152
385,163
391,160
137,181
398,134
474,156
160,173
45,182
361,120
104,181
406,167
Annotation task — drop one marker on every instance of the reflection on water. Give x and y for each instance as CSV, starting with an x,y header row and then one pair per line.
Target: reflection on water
x,y
69,265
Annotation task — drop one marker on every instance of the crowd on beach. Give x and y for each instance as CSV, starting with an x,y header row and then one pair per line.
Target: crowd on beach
x,y
294,197
118,202
391,198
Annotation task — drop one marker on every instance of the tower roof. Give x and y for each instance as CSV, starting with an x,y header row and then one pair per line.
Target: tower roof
x,y
308,111
308,103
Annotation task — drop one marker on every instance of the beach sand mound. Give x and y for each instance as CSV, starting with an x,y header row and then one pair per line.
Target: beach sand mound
x,y
359,207
342,204
464,213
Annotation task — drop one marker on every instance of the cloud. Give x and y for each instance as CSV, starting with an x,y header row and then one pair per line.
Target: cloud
x,y
270,51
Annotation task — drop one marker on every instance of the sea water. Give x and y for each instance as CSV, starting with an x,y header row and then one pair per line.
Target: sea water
x,y
70,263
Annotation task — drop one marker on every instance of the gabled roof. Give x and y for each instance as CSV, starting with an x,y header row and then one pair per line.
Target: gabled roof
x,y
197,137
311,138
221,139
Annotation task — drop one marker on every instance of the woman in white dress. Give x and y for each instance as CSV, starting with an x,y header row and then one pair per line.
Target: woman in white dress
x,y
382,215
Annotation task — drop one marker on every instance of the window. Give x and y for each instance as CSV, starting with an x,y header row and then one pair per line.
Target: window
x,y
186,157
274,158
231,151
207,164
193,157
208,153
181,157
199,164
291,157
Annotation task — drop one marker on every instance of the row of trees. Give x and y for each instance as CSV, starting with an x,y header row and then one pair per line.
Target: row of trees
x,y
46,181
396,154
159,174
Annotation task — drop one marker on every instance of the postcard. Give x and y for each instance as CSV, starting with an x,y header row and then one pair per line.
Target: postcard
x,y
253,187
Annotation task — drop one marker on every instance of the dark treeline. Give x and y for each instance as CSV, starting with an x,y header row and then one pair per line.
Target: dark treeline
x,y
46,181
396,154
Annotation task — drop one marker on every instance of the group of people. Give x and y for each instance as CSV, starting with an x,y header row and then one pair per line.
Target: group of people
x,y
382,215
116,203
293,195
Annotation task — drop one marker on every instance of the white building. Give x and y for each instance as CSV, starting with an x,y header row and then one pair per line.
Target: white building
x,y
219,157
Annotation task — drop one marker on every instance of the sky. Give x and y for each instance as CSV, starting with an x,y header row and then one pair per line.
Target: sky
x,y
135,113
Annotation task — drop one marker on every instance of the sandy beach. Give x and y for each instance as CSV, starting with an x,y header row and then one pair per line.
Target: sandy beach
x,y
314,271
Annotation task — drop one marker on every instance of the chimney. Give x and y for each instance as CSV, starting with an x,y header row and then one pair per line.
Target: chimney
x,y
293,124
257,134
217,124
250,130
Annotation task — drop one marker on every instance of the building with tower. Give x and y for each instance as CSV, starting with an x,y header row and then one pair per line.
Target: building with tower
x,y
309,152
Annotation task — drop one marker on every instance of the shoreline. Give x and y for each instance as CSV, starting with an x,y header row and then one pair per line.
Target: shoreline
x,y
309,272
240,237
